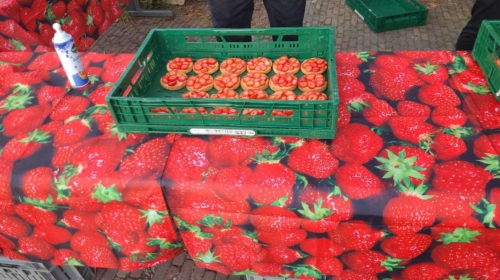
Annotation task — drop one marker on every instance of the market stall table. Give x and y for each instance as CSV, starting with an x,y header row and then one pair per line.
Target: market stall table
x,y
406,190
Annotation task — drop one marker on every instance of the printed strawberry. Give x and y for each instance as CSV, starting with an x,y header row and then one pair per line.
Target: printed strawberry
x,y
16,58
79,220
410,129
327,266
123,216
209,261
283,238
230,183
450,205
351,144
24,145
447,147
393,85
142,246
10,45
344,117
321,247
6,243
28,18
236,257
481,110
410,212
98,255
347,85
281,255
378,112
490,209
83,239
11,10
143,192
348,70
487,144
271,182
13,226
55,11
66,257
355,235
74,23
147,160
264,218
469,82
39,6
48,93
227,151
25,120
73,131
406,247
14,255
108,20
45,62
12,30
490,272
69,106
83,46
269,269
462,256
370,262
62,155
425,270
103,155
52,234
405,164
357,182
355,100
353,57
338,203
37,212
455,230
163,233
432,74
312,158
448,116
187,160
96,12
35,246
413,109
460,177
98,96
352,275
438,95
319,219
392,62
260,145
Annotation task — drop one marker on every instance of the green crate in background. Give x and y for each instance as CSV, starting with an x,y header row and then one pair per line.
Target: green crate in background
x,y
385,15
486,53
138,90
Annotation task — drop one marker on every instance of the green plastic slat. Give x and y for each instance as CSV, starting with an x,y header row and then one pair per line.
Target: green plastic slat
x,y
486,53
135,95
385,15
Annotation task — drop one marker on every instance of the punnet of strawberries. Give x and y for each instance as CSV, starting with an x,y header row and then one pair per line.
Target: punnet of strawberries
x,y
26,25
407,190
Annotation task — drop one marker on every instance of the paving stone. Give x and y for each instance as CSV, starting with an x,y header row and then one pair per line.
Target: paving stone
x,y
109,274
221,276
122,273
209,275
197,273
161,270
186,270
172,272
136,273
179,260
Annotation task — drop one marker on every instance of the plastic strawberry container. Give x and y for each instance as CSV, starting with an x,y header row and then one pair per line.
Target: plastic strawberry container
x,y
138,103
486,53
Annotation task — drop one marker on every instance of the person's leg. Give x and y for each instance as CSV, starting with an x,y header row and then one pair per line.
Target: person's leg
x,y
482,10
232,14
286,13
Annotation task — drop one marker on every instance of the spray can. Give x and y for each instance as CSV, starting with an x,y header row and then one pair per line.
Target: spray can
x,y
70,60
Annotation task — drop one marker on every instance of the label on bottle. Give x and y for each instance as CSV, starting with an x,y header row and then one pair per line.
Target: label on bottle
x,y
70,60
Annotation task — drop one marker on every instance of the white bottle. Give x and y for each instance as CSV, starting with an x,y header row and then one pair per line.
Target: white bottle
x,y
70,60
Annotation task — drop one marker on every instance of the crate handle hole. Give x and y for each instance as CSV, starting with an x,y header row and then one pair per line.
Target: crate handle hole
x,y
192,39
210,38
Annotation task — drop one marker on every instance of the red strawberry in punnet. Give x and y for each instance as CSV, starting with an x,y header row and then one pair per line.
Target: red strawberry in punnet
x,y
355,235
356,143
370,262
410,212
312,158
187,160
357,182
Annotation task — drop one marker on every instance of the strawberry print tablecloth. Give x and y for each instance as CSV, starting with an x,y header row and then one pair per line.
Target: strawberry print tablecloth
x,y
73,189
407,190
26,25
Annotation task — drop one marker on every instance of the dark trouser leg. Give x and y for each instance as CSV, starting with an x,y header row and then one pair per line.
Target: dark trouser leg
x,y
232,14
285,13
482,10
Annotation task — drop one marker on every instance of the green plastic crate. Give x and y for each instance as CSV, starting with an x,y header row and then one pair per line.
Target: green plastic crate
x,y
385,15
487,53
138,90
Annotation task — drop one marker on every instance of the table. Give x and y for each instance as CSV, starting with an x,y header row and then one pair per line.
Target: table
x,y
26,25
407,189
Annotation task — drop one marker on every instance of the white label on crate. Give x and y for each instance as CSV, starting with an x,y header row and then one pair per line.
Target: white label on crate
x,y
236,132
362,17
